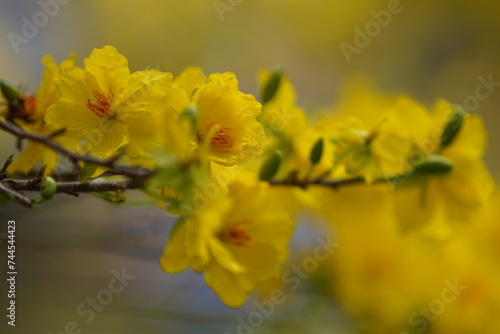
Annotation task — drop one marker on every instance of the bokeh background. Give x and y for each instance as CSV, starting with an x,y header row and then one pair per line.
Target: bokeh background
x,y
68,248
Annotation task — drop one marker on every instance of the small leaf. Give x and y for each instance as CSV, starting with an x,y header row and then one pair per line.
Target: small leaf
x,y
117,197
271,166
453,126
8,92
435,164
272,85
88,170
316,152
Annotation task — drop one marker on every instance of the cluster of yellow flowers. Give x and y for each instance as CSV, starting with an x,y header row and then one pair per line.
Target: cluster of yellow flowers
x,y
235,170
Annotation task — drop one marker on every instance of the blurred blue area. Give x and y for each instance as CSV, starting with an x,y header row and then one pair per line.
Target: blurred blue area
x,y
67,249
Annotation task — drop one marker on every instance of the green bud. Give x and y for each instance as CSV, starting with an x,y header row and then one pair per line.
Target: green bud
x,y
316,152
453,126
195,89
8,92
435,164
272,85
117,197
270,166
48,187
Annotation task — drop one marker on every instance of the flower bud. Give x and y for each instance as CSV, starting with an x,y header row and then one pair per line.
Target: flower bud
x,y
435,164
453,126
48,187
272,85
270,166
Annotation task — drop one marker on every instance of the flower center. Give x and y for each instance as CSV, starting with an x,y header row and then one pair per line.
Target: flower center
x,y
103,104
236,235
220,137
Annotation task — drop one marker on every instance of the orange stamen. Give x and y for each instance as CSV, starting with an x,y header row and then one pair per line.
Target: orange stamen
x,y
221,139
103,105
237,236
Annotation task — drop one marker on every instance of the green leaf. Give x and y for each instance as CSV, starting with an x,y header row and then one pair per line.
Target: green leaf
x,y
88,170
435,164
8,92
453,126
113,197
271,166
272,85
316,152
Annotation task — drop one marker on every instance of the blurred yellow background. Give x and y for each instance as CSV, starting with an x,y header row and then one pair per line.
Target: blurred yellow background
x,y
427,49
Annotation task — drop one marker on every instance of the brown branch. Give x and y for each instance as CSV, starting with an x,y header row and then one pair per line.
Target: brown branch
x,y
306,183
74,187
335,184
18,197
132,171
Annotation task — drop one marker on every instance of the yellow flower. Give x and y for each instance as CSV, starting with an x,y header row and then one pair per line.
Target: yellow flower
x,y
189,80
438,199
107,107
289,130
227,120
368,139
238,240
176,130
35,108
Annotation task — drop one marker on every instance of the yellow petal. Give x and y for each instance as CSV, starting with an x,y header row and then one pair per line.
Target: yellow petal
x,y
76,85
71,116
189,79
231,288
106,140
471,140
222,255
32,154
174,258
46,93
110,69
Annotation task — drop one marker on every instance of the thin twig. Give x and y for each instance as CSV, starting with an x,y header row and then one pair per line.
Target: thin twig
x,y
132,171
76,186
306,183
335,184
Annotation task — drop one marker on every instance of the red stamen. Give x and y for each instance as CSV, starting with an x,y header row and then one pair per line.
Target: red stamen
x,y
103,105
237,236
221,139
